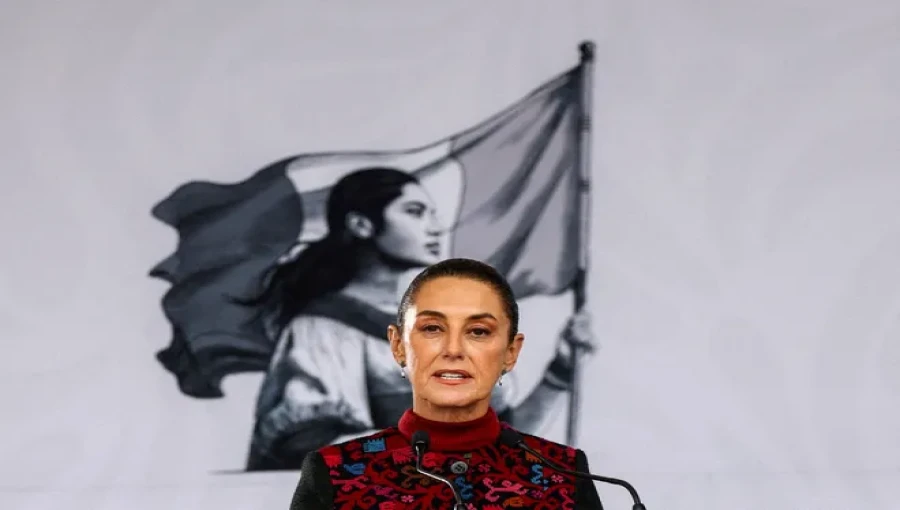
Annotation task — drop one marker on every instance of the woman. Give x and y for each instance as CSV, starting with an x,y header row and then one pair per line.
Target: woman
x,y
455,337
333,373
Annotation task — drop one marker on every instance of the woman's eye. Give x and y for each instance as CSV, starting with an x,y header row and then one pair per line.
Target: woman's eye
x,y
431,328
480,332
415,211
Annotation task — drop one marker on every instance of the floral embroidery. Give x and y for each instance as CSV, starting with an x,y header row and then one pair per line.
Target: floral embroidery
x,y
379,472
374,445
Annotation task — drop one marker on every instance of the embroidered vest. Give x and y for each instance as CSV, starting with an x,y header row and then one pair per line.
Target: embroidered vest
x,y
379,472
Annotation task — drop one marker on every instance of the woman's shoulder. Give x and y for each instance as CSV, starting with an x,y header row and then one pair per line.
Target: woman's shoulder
x,y
361,450
556,452
309,323
335,312
316,329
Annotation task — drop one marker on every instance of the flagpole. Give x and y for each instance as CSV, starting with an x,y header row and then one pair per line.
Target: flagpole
x,y
586,49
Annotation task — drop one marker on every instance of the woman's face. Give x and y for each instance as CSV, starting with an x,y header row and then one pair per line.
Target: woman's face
x,y
455,343
411,232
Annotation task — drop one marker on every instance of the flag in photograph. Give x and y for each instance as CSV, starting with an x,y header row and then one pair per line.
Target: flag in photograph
x,y
507,188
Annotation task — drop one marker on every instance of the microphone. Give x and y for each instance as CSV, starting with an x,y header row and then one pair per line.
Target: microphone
x,y
513,439
420,442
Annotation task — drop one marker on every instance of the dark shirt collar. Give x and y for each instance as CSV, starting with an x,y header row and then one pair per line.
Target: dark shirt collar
x,y
453,436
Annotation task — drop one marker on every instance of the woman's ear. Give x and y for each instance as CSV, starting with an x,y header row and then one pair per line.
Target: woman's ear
x,y
359,225
395,338
512,352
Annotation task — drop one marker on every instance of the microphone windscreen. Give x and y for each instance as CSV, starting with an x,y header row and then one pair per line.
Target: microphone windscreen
x,y
510,438
421,438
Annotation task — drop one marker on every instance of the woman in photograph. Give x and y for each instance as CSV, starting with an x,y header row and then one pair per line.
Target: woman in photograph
x,y
333,375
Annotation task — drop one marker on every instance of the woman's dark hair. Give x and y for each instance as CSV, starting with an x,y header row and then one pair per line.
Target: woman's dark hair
x,y
329,264
468,269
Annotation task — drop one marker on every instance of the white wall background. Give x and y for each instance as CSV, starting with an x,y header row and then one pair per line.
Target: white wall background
x,y
746,267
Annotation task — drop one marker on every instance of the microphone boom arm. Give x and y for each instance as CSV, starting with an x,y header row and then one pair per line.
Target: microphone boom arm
x,y
420,452
615,481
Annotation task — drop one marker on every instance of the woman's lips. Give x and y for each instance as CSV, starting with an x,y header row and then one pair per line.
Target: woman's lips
x,y
452,377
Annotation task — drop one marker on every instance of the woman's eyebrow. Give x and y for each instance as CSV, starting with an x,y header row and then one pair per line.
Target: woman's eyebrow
x,y
441,315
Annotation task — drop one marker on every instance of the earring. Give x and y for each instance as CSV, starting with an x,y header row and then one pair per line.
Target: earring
x,y
500,380
403,369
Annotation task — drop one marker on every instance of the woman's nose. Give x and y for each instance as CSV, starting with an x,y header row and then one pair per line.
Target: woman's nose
x,y
453,346
434,226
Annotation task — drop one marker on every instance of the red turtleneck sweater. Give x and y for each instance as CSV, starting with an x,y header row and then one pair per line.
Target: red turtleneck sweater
x,y
379,471
453,436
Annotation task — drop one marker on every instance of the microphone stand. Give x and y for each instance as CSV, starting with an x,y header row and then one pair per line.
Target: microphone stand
x,y
420,447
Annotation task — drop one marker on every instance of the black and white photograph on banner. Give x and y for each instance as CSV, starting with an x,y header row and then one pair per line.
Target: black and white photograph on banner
x,y
295,271
480,255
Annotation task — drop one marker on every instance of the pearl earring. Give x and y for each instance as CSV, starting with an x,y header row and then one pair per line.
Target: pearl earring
x,y
403,369
500,380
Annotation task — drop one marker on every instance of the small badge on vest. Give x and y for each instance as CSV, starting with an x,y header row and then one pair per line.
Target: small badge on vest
x,y
459,467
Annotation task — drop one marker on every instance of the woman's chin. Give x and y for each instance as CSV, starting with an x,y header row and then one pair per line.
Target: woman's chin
x,y
454,397
428,258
